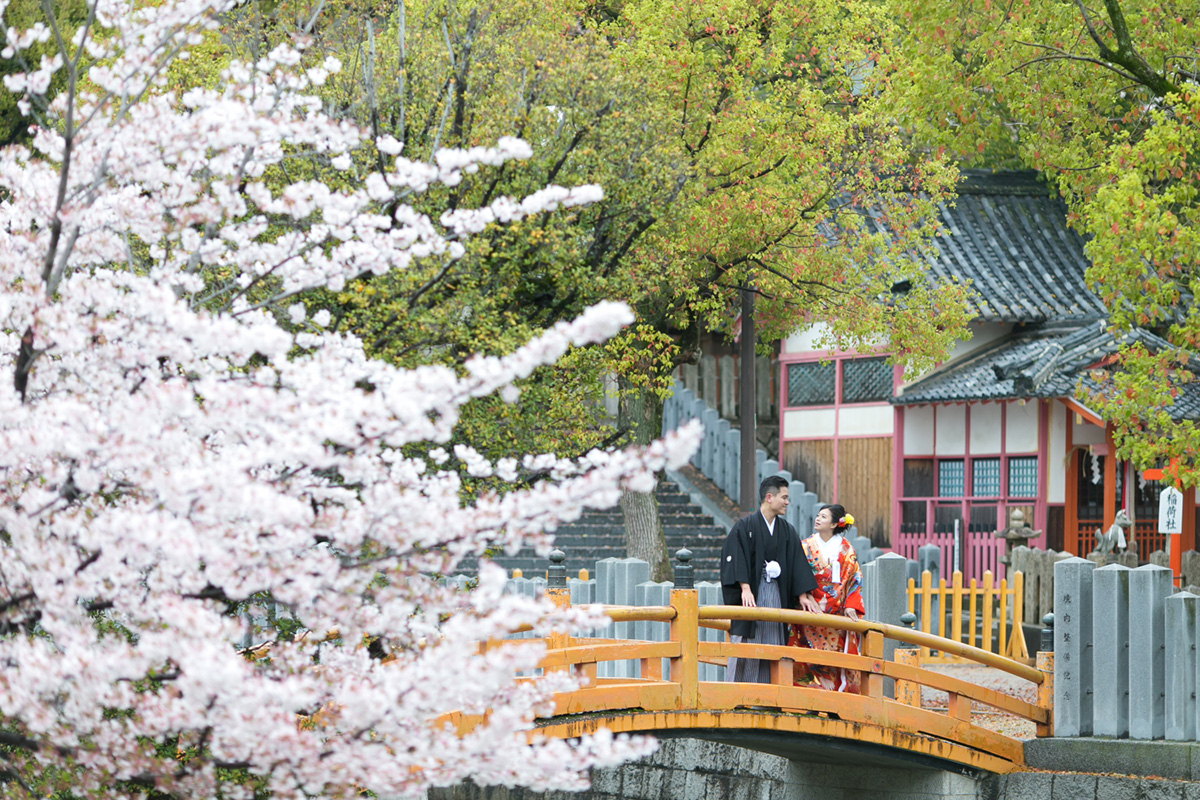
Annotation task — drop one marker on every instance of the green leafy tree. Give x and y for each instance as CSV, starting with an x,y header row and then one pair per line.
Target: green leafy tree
x,y
739,144
1105,100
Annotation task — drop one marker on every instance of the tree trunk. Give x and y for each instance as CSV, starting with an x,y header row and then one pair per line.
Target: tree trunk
x,y
644,537
642,413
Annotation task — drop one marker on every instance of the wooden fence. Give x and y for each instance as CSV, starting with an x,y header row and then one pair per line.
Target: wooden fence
x,y
966,614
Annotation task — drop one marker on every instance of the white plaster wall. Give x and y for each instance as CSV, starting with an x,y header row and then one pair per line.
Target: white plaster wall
x,y
985,428
815,423
918,430
1056,484
950,425
1085,432
805,340
1022,427
982,334
874,420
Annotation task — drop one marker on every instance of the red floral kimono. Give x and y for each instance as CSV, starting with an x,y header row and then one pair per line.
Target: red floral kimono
x,y
839,586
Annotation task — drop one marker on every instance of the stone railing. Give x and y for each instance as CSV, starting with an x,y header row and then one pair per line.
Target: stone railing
x,y
719,457
1125,647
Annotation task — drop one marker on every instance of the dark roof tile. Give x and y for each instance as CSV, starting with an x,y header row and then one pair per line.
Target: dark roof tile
x,y
1008,237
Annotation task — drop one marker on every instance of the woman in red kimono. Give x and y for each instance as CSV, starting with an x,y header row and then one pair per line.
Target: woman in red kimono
x,y
839,591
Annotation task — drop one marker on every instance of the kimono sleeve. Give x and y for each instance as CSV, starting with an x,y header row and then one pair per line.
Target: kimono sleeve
x,y
802,578
735,560
851,579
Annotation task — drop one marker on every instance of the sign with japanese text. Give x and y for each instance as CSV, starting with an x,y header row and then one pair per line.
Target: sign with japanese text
x,y
1170,511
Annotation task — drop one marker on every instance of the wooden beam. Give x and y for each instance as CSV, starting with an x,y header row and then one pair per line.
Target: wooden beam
x,y
889,735
1110,480
1071,498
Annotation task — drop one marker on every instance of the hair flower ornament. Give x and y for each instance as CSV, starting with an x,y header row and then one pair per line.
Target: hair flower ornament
x,y
846,521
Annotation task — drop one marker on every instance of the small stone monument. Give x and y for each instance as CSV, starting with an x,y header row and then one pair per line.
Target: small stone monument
x,y
1017,533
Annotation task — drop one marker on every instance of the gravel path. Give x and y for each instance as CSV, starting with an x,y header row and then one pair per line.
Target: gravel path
x,y
986,716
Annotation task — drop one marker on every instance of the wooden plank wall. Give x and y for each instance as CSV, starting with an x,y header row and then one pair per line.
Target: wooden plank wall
x,y
864,479
811,461
865,485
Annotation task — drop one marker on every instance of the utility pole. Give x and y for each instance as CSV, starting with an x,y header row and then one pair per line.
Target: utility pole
x,y
749,403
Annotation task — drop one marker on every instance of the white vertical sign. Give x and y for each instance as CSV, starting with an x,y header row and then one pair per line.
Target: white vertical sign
x,y
1170,511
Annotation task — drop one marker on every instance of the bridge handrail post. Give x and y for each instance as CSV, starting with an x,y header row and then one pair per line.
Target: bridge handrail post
x,y
685,629
1045,665
908,692
560,596
871,683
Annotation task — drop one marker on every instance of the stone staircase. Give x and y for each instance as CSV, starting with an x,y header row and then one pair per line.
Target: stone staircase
x,y
601,534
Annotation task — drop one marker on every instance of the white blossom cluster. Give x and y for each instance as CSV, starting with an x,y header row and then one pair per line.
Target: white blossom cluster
x,y
178,438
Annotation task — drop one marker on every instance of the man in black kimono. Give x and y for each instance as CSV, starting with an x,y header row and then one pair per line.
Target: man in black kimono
x,y
763,564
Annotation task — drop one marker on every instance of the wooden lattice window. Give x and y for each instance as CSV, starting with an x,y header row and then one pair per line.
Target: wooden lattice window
x,y
1022,476
811,384
985,477
951,478
866,380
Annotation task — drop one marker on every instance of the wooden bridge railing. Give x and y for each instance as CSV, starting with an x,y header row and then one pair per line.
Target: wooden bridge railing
x,y
901,721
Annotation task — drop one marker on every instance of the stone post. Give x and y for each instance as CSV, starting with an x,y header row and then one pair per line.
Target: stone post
x,y
793,515
690,378
708,445
697,412
764,397
1110,659
1149,587
808,511
1190,567
908,692
719,460
560,596
708,380
889,602
726,371
1072,647
733,463
929,557
1180,701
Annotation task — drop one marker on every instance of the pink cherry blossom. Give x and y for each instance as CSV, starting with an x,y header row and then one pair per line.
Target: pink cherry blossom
x,y
183,454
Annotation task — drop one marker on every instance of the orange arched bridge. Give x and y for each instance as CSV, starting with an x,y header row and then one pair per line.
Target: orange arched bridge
x,y
792,721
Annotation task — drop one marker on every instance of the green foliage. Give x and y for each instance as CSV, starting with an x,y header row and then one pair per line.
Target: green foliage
x,y
21,15
736,141
1106,101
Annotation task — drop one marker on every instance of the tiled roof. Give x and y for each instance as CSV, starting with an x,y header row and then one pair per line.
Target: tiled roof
x,y
1036,362
1009,237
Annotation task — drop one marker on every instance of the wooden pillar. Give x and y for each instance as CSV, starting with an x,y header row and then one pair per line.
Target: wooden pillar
x,y
1044,417
685,629
1045,692
1071,494
1110,479
1187,539
908,692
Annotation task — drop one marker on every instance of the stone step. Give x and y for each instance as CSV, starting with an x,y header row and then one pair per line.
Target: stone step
x,y
714,531
669,518
600,534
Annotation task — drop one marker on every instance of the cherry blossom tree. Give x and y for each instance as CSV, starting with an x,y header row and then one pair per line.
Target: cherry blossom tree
x,y
181,448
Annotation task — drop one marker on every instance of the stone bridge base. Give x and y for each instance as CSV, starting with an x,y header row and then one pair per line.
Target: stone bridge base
x,y
692,769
